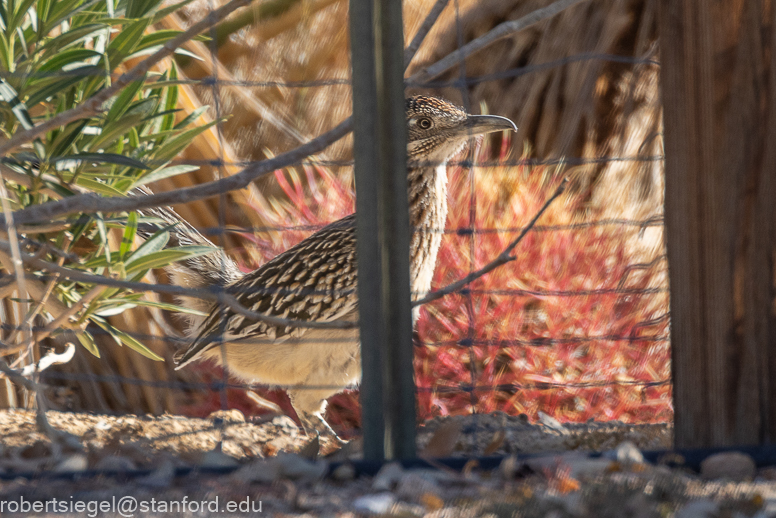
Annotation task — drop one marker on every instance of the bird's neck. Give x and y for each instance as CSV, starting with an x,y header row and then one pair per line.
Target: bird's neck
x,y
428,215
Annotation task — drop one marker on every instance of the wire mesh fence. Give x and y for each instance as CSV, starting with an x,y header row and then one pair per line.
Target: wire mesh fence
x,y
574,325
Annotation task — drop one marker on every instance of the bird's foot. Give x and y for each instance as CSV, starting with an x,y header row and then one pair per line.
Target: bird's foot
x,y
316,425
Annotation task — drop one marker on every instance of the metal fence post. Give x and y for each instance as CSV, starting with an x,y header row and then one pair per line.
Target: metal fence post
x,y
380,153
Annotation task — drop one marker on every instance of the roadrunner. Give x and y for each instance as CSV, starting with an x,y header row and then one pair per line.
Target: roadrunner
x,y
316,279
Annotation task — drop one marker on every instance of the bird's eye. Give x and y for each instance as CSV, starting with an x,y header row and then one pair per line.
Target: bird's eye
x,y
425,123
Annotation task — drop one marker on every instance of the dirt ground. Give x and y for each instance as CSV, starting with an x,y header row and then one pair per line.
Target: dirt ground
x,y
224,466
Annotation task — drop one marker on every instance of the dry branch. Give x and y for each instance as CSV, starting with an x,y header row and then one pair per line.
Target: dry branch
x,y
502,258
501,31
423,31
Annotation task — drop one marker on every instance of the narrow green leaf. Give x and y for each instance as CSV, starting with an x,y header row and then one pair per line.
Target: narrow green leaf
x,y
61,144
161,13
175,145
102,158
193,116
99,188
129,235
122,337
103,235
125,43
123,100
59,85
57,63
71,37
136,346
20,11
88,342
19,109
164,172
153,244
152,304
165,257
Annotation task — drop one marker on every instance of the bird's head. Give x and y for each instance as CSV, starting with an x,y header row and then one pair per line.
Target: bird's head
x,y
437,129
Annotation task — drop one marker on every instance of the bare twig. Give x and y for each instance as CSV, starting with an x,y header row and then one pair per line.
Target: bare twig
x,y
498,32
7,286
15,376
28,320
423,31
503,258
17,266
94,104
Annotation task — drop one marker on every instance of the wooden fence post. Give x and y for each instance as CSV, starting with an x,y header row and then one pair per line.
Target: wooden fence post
x,y
718,63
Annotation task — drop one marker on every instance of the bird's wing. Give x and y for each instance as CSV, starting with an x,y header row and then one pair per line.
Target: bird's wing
x,y
312,281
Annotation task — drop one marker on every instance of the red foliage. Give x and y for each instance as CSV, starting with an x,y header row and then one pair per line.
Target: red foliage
x,y
549,331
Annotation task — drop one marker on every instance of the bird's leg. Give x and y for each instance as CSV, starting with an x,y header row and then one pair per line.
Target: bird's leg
x,y
310,406
315,424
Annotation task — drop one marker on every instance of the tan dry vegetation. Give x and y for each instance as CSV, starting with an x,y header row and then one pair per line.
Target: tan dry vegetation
x,y
577,107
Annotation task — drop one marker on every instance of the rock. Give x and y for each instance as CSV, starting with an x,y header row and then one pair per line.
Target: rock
x,y
216,459
732,465
295,467
378,503
263,471
103,425
227,416
37,450
413,486
72,464
161,477
284,465
508,467
388,476
553,424
628,454
344,472
698,509
117,463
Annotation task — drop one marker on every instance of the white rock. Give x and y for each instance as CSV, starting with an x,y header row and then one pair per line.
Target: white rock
x,y
553,424
732,465
378,503
388,476
72,464
698,509
628,453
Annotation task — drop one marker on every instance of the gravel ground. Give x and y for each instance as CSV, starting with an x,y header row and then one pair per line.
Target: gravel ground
x,y
225,466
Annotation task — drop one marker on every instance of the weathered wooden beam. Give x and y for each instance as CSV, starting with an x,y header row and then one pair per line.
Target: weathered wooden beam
x,y
719,95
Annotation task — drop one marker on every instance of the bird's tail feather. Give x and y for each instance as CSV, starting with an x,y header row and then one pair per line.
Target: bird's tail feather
x,y
203,271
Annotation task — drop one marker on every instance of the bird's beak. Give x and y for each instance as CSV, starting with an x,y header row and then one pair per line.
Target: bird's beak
x,y
481,124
